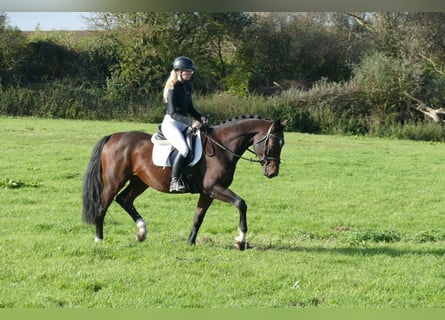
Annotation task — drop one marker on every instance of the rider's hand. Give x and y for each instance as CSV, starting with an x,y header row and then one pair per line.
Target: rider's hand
x,y
204,120
196,124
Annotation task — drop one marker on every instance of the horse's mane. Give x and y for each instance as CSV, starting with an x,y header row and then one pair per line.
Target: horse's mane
x,y
239,118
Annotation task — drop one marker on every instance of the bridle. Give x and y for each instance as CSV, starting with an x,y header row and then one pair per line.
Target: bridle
x,y
264,159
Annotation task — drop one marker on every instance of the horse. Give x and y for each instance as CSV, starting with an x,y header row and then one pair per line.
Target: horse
x,y
125,159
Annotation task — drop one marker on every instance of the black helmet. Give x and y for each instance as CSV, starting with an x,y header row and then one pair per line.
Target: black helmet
x,y
183,63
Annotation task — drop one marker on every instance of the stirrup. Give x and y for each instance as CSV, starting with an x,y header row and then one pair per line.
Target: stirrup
x,y
176,185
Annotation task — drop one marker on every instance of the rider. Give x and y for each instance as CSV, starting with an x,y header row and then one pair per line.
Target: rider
x,y
177,95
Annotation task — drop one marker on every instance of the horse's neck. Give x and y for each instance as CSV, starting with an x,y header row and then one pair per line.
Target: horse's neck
x,y
238,138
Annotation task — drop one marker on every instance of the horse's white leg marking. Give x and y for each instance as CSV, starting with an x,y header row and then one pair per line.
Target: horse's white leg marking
x,y
242,237
142,229
97,240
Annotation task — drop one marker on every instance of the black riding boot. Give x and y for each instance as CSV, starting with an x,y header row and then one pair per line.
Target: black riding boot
x,y
176,185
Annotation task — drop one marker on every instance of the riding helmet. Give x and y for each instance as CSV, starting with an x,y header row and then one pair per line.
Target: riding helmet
x,y
183,63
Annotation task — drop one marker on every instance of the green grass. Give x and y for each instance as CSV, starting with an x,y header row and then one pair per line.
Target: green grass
x,y
349,222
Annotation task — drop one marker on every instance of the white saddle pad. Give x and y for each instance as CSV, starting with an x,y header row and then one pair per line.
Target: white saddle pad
x,y
161,152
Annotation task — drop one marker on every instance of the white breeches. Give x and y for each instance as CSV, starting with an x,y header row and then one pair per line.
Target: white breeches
x,y
172,130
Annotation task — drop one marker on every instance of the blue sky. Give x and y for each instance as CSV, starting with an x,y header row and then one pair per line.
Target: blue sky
x,y
29,21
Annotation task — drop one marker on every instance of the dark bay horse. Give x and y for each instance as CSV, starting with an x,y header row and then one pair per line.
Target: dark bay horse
x,y
127,156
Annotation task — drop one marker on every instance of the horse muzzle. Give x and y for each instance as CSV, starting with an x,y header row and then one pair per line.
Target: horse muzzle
x,y
271,170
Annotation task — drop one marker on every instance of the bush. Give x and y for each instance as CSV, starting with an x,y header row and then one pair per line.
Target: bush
x,y
330,108
382,80
72,100
425,131
325,108
222,106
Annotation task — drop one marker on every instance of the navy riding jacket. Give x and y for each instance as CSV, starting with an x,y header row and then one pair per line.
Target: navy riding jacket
x,y
180,103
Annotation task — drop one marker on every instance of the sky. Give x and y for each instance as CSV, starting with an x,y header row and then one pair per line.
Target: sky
x,y
30,21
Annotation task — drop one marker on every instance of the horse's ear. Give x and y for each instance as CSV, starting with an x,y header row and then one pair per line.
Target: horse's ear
x,y
280,123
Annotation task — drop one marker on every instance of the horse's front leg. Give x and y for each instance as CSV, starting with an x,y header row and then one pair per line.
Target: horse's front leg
x,y
204,203
226,195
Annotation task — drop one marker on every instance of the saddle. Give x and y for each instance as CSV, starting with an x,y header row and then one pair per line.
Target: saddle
x,y
164,153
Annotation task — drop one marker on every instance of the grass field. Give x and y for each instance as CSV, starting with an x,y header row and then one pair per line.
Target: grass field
x,y
349,222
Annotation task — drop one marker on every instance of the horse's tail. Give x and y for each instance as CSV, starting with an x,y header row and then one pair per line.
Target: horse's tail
x,y
93,184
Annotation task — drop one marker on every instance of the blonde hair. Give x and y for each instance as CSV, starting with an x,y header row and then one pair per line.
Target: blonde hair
x,y
170,83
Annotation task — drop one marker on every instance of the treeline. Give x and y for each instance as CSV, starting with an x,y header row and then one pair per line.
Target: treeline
x,y
349,73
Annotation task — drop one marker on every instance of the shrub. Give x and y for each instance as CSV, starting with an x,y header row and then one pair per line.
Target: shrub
x,y
413,130
426,131
382,80
222,106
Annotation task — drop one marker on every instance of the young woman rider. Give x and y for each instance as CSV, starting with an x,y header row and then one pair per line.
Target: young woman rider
x,y
178,96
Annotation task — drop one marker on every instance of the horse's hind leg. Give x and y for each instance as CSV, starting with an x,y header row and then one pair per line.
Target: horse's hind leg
x,y
99,228
126,200
106,199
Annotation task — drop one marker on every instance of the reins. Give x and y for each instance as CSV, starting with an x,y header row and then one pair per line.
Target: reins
x,y
230,151
261,160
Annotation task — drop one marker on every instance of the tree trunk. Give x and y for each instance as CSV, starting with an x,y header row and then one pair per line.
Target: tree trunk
x,y
435,114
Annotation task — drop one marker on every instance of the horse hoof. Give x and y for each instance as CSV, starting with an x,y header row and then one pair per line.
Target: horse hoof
x,y
141,236
242,245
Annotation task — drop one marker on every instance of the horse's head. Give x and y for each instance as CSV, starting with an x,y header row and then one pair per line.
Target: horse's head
x,y
268,148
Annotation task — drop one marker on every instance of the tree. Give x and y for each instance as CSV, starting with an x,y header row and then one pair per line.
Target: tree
x,y
139,38
385,29
213,40
150,41
413,44
300,47
11,42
